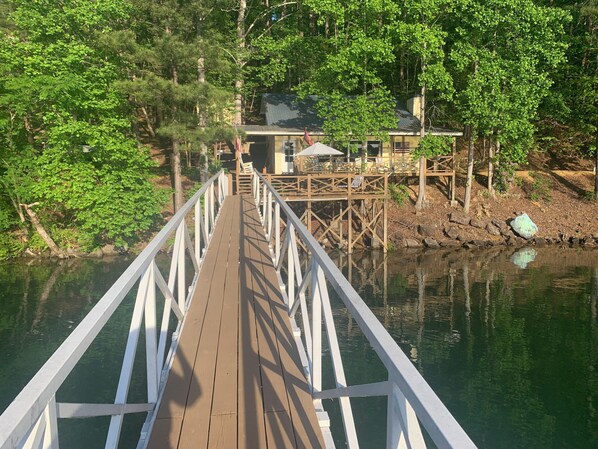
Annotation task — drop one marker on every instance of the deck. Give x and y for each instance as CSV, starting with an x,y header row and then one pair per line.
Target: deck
x,y
237,379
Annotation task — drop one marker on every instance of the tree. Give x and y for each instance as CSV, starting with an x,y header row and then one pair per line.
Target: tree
x,y
420,35
64,144
352,97
502,54
177,77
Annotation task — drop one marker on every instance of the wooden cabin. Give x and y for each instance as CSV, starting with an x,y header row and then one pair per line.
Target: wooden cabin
x,y
273,144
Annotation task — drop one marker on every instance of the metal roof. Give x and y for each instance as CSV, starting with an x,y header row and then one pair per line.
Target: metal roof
x,y
286,115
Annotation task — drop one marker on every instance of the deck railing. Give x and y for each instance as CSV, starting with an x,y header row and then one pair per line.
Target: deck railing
x,y
31,421
305,282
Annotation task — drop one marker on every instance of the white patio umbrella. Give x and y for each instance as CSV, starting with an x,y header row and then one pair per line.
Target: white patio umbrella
x,y
319,149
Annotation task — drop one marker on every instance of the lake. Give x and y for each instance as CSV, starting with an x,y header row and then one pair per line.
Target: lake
x,y
507,338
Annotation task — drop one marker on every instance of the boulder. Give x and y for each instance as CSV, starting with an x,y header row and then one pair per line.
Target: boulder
x,y
458,218
412,243
523,226
539,242
431,243
425,231
477,223
451,232
492,229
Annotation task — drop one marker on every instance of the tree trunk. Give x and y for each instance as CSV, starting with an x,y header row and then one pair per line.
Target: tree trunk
x,y
596,169
469,180
491,169
421,193
240,62
39,228
179,200
203,149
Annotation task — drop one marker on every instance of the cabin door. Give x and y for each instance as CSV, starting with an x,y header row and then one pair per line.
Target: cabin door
x,y
288,147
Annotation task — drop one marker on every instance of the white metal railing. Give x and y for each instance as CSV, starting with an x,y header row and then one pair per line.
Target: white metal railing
x,y
411,401
31,421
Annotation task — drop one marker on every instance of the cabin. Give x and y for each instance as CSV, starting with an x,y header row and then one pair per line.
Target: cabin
x,y
272,144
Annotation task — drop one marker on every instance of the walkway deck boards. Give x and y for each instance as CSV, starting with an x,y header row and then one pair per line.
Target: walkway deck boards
x,y
237,380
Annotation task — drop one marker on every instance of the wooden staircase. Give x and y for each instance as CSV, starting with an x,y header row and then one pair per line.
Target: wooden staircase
x,y
243,184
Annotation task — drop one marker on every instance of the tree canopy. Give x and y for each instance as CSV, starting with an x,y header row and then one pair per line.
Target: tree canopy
x,y
85,87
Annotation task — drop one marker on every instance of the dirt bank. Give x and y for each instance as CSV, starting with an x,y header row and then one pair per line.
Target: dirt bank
x,y
558,201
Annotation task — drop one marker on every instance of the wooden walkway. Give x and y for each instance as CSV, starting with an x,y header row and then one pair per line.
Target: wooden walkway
x,y
237,380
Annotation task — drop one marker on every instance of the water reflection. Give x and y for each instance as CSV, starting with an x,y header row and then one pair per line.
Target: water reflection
x,y
511,352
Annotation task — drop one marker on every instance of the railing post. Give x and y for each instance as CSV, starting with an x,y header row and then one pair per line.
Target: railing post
x,y
276,232
151,356
264,195
197,226
212,205
51,433
290,266
316,330
402,426
269,215
180,242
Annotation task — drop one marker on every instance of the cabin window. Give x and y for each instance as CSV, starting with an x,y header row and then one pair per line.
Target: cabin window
x,y
401,147
289,150
374,148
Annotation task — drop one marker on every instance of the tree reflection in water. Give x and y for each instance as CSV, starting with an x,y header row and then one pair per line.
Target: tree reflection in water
x,y
510,350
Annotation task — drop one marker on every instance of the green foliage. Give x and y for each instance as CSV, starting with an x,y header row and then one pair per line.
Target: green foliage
x,y
63,125
399,193
9,246
540,187
431,146
356,118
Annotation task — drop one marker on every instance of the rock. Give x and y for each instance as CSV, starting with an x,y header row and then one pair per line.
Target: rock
x,y
458,218
523,226
492,229
451,232
431,243
479,243
499,224
109,250
449,243
426,231
574,241
477,223
539,241
95,254
412,243
470,245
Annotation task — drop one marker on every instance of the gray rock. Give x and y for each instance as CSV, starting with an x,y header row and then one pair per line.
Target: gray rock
x,y
458,218
451,232
449,243
523,226
109,250
499,224
477,223
413,243
431,243
426,231
492,229
539,241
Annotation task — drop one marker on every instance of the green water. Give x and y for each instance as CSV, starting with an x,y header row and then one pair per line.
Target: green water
x,y
512,352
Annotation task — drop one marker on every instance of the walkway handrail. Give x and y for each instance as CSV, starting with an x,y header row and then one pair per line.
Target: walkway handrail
x,y
30,421
410,399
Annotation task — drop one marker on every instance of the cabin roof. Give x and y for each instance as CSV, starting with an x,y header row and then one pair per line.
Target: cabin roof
x,y
285,114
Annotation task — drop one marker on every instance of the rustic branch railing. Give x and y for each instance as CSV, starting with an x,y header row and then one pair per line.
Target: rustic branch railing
x,y
411,401
313,186
31,421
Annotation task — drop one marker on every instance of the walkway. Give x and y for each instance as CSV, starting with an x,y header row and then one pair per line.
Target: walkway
x,y
237,380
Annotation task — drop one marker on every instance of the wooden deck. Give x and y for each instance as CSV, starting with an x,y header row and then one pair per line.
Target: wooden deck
x,y
237,380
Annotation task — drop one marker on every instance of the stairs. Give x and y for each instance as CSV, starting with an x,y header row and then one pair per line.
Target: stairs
x,y
243,184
